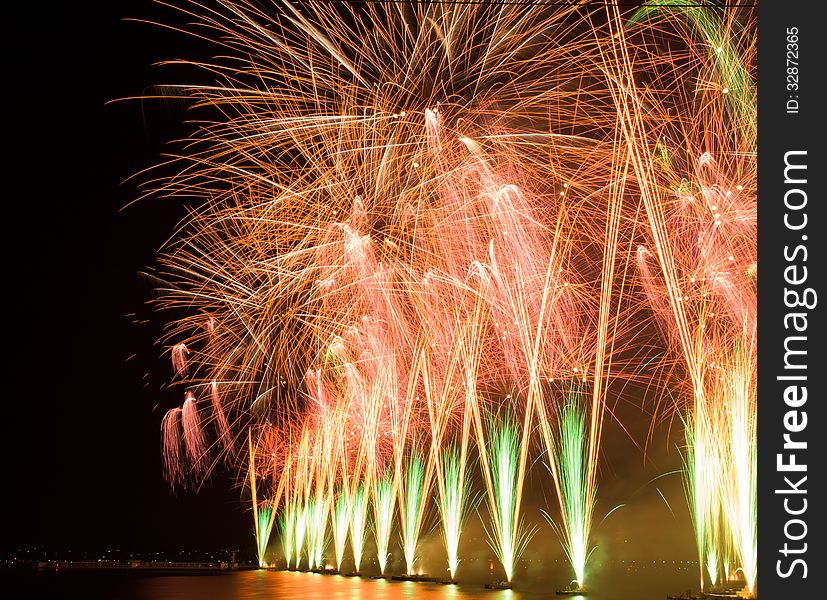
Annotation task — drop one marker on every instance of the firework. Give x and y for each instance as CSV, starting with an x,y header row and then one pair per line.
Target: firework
x,y
341,520
263,513
318,533
288,528
358,525
577,498
383,505
506,534
740,504
453,504
170,433
300,534
700,276
415,216
698,480
411,506
264,525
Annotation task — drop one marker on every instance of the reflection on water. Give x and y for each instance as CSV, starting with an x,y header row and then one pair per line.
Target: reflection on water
x,y
610,584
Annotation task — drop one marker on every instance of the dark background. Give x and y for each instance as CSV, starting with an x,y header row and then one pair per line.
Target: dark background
x,y
82,428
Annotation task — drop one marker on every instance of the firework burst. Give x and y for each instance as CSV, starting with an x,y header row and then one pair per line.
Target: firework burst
x,y
413,221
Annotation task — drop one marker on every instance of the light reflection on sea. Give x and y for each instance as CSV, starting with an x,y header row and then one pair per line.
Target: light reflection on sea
x,y
609,584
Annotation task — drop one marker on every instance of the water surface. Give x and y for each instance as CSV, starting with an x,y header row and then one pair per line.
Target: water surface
x,y
615,583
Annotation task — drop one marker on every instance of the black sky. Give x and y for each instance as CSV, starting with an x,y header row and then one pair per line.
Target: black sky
x,y
82,430
82,422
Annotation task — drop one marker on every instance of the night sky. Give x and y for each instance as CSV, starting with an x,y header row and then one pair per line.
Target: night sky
x,y
83,431
82,419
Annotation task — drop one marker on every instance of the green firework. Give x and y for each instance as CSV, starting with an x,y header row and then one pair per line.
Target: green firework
x,y
576,498
452,505
718,35
505,536
288,529
300,528
697,463
413,494
318,523
384,500
341,520
264,522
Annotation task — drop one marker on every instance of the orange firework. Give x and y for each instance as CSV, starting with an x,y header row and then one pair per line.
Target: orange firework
x,y
414,217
